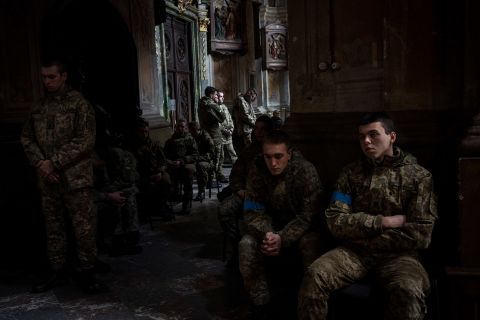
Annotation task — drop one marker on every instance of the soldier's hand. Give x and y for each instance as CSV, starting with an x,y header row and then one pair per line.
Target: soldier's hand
x,y
53,177
45,168
271,244
156,177
117,198
395,221
241,194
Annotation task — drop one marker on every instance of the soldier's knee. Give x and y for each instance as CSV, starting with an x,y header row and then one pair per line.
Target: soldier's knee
x,y
247,243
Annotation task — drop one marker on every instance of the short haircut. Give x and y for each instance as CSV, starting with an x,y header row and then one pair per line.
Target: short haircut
x,y
62,66
277,137
193,125
209,90
382,117
266,120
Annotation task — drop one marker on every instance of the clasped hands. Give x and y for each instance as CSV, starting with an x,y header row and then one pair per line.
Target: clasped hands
x,y
271,244
47,171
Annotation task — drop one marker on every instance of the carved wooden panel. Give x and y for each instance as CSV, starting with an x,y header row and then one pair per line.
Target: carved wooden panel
x,y
179,59
182,46
144,32
360,55
19,62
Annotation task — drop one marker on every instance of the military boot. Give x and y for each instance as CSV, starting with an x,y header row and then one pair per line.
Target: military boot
x,y
55,279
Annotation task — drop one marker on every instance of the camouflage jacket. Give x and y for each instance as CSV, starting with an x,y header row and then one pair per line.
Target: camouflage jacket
x,y
366,191
244,116
205,146
286,204
245,161
118,174
150,159
61,128
210,118
226,126
181,147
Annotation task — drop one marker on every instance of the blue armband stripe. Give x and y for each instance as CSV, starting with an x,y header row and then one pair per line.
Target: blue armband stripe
x,y
342,197
252,205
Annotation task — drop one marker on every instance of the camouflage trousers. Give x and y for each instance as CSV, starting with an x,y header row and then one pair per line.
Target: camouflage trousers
x,y
216,157
185,175
203,172
78,207
127,216
253,263
228,148
402,279
229,213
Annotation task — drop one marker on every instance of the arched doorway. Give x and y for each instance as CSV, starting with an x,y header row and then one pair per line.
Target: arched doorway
x,y
96,43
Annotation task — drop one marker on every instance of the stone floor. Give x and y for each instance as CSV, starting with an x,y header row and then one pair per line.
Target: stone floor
x,y
179,275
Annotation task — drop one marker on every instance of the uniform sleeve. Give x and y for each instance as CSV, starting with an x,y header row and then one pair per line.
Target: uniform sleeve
x,y
310,191
257,221
238,174
342,222
417,231
29,143
192,151
216,114
244,113
83,140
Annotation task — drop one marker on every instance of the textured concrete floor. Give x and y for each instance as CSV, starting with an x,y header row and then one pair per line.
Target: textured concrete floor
x,y
179,275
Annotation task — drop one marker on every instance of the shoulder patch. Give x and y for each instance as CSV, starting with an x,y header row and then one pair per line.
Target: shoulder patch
x,y
341,197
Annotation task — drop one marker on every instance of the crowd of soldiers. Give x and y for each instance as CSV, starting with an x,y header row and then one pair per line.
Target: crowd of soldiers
x,y
381,213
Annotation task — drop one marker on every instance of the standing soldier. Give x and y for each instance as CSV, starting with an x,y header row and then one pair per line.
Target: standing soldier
x,y
227,127
58,139
210,118
383,210
244,117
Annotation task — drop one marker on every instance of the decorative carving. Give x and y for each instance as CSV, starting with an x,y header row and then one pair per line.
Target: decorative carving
x,y
181,49
182,5
168,46
274,42
204,22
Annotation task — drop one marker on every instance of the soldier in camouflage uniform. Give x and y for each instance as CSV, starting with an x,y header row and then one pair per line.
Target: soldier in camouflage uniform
x,y
282,201
244,117
58,139
230,209
206,150
227,128
211,118
116,193
382,211
155,183
182,153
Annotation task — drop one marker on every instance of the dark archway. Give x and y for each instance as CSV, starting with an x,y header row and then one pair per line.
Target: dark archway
x,y
98,46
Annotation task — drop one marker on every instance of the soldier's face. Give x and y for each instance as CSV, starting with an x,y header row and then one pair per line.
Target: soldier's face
x,y
260,130
141,133
52,79
276,157
251,96
221,97
375,142
181,127
214,96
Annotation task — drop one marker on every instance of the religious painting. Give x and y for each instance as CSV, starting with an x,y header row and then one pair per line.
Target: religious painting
x,y
226,26
274,47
